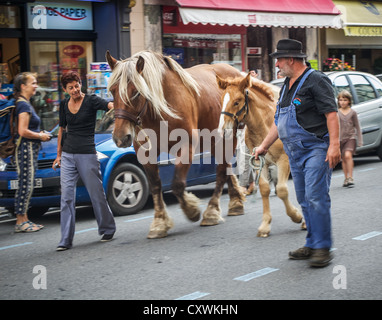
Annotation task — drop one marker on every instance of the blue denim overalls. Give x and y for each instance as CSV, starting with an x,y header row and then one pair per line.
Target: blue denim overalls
x,y
311,174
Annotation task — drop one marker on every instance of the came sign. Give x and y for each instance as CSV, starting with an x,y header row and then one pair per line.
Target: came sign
x,y
65,16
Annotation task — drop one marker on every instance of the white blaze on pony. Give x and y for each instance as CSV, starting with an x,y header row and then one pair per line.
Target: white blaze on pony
x,y
226,99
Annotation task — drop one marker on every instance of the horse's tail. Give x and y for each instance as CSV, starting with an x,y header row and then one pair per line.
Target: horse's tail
x,y
186,78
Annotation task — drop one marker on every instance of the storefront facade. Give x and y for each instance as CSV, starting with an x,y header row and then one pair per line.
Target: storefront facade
x,y
50,38
359,43
196,44
241,32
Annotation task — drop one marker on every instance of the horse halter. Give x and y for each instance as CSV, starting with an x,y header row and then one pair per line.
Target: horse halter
x,y
137,120
236,116
123,114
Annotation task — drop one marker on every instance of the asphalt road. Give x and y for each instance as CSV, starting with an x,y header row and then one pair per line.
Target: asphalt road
x,y
224,262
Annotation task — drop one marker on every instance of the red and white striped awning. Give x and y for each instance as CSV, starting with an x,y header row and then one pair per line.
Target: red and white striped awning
x,y
264,13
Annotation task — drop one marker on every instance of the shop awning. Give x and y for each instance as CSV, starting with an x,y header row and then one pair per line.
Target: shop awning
x,y
264,13
361,18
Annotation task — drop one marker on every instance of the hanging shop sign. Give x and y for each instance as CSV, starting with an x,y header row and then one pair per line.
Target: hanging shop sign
x,y
253,50
64,16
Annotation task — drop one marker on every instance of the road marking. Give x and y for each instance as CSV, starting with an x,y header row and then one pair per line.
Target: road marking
x,y
15,245
368,235
256,274
193,296
138,219
85,230
368,169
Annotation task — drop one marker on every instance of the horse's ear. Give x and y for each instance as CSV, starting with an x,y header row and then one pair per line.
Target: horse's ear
x,y
221,83
140,64
110,60
246,82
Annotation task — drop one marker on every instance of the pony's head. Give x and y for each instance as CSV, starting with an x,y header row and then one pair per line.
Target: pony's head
x,y
235,99
137,87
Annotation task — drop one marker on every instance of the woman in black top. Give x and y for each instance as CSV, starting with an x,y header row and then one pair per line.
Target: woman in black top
x,y
77,157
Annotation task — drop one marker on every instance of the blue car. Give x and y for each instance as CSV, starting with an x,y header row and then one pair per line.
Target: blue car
x,y
124,180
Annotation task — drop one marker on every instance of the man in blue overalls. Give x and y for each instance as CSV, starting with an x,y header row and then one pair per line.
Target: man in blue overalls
x,y
306,121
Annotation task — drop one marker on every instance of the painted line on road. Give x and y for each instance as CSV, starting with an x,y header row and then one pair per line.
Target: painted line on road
x,y
85,230
339,175
15,245
138,219
368,169
368,235
193,296
256,274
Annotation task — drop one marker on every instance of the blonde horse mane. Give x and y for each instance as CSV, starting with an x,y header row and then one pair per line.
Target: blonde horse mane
x,y
149,81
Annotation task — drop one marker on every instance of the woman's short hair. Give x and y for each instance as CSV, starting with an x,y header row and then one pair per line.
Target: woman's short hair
x,y
69,77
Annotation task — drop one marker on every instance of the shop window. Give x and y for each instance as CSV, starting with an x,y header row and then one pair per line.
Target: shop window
x,y
192,49
9,63
51,59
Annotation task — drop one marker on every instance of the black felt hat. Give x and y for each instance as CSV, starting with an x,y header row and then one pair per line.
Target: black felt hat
x,y
288,48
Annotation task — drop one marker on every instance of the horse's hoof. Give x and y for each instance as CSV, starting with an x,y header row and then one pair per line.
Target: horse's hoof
x,y
211,221
195,216
157,234
262,234
236,211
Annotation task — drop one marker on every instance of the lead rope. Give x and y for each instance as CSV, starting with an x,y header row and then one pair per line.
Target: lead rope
x,y
256,167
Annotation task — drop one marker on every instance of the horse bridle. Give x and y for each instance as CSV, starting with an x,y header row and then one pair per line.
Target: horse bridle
x,y
236,116
137,120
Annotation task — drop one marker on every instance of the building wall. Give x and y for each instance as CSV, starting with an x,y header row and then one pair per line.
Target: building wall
x,y
137,28
105,28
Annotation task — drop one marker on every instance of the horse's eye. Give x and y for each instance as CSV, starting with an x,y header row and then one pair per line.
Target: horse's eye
x,y
236,103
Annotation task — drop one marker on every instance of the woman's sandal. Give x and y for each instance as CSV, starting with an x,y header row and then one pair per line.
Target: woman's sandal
x,y
26,226
38,225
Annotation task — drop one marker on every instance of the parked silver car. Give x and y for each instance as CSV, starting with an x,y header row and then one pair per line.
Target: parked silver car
x,y
366,90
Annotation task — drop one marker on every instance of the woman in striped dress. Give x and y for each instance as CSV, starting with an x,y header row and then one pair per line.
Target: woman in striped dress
x,y
28,146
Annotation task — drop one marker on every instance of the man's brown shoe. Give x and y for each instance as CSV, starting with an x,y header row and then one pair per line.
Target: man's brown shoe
x,y
320,258
300,254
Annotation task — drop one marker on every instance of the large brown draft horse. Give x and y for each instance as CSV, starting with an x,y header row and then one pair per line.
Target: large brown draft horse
x,y
153,92
253,102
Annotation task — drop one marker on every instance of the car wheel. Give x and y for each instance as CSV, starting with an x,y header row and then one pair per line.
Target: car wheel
x,y
128,189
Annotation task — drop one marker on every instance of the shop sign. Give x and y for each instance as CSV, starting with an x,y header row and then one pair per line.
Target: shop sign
x,y
205,44
66,16
363,31
271,19
254,50
73,51
170,17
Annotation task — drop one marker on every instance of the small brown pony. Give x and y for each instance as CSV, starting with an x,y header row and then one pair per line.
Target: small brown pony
x,y
150,90
252,102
